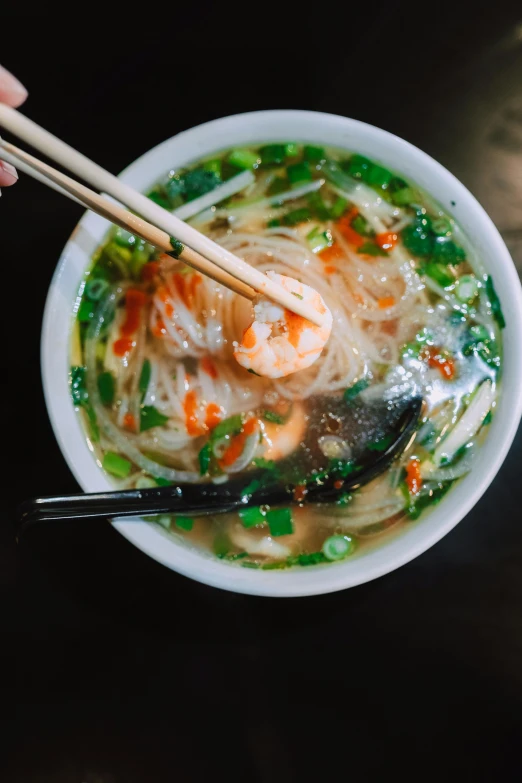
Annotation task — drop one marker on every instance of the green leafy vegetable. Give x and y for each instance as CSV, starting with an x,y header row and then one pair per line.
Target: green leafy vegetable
x,y
445,251
371,249
200,181
438,272
151,417
417,237
177,247
95,288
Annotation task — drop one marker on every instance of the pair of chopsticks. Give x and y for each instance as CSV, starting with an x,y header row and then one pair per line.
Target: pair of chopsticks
x,y
198,251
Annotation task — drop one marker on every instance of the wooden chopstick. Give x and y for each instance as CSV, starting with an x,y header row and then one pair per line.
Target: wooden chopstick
x,y
116,214
102,180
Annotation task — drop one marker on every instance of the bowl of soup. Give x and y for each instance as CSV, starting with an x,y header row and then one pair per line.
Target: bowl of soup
x,y
139,351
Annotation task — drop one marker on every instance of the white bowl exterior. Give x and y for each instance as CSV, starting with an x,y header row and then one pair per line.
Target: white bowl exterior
x,y
327,130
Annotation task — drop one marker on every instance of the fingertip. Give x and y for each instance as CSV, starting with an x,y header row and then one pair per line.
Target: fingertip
x,y
8,174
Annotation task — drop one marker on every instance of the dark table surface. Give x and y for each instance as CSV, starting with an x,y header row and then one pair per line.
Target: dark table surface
x,y
114,669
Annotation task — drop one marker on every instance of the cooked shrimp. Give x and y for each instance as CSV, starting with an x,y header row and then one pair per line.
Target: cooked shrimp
x,y
279,342
281,440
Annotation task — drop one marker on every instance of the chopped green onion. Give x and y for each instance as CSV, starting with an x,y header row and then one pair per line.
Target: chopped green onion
x,y
338,547
313,154
299,172
291,149
175,189
204,459
494,302
440,273
338,207
355,389
162,482
85,311
297,216
144,381
250,517
94,430
273,154
479,332
466,288
274,566
280,522
151,417
298,296
274,417
244,159
274,223
488,419
116,465
248,564
95,288
319,240
184,523
161,519
106,387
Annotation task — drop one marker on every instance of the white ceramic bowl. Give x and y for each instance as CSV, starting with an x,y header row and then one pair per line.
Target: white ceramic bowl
x,y
324,129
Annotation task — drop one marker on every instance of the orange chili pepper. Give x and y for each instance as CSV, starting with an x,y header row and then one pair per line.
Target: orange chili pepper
x,y
413,476
386,301
387,240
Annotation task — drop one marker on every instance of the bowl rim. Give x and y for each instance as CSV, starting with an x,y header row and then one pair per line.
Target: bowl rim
x,y
304,126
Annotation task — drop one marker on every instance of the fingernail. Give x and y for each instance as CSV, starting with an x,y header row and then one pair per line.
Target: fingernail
x,y
10,173
11,87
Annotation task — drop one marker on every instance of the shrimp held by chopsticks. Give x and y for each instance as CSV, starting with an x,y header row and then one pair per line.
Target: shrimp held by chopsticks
x,y
279,342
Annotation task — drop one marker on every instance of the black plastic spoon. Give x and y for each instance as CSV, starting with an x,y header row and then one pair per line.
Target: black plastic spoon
x,y
256,490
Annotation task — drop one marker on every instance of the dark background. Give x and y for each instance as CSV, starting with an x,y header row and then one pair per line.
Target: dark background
x,y
114,669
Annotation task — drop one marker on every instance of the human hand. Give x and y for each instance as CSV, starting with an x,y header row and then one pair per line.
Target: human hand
x,y
13,93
